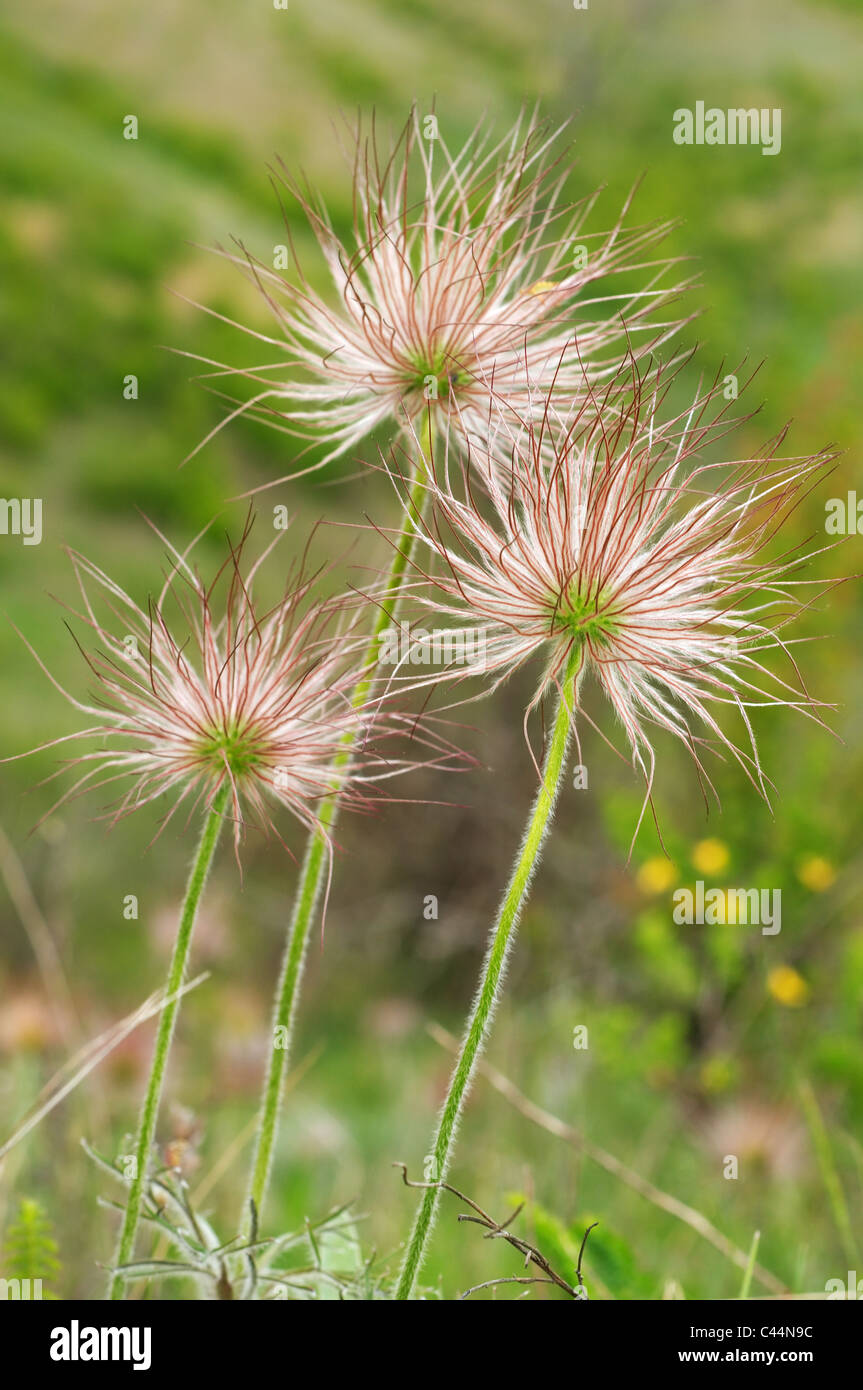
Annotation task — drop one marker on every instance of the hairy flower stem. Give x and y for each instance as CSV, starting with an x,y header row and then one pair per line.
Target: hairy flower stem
x,y
168,1017
491,979
313,872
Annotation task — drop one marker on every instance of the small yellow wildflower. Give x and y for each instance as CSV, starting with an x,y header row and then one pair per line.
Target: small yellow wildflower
x,y
710,856
656,875
816,873
787,986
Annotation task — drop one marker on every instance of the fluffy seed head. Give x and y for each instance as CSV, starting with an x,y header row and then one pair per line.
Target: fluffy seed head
x,y
464,271
610,538
203,690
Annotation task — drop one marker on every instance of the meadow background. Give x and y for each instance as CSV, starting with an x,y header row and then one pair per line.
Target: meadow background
x,y
703,1042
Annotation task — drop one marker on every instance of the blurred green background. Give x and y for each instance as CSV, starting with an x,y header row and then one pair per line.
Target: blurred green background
x,y
703,1042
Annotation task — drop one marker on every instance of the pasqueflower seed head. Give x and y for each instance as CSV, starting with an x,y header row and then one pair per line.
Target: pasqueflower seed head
x,y
622,549
463,271
201,690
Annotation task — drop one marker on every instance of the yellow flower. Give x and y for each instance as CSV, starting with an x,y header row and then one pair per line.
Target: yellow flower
x,y
787,986
710,856
542,287
656,875
816,873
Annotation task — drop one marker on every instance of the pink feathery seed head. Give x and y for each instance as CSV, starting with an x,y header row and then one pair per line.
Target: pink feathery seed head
x,y
202,689
459,267
609,542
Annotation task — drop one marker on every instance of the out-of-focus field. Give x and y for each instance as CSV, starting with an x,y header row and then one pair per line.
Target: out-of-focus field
x,y
704,1043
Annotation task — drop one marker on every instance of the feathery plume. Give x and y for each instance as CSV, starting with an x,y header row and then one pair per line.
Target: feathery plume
x,y
463,269
202,691
607,534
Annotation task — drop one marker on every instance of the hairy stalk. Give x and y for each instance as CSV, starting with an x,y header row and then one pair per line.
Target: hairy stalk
x,y
494,966
176,974
313,871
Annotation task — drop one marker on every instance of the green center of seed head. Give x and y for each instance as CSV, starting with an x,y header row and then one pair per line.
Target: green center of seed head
x,y
233,745
588,616
435,375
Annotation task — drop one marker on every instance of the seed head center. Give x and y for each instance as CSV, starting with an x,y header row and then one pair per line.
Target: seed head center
x,y
435,375
234,746
586,616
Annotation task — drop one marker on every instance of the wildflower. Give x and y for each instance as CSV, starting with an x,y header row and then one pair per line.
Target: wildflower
x,y
27,1023
600,543
656,875
764,1137
202,694
710,856
816,873
787,986
462,270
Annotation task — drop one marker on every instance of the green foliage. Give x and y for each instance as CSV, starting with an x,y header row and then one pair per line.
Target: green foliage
x,y
322,1260
608,1257
31,1250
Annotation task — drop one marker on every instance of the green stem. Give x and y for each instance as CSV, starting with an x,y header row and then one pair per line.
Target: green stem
x,y
313,871
168,1017
830,1174
491,979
